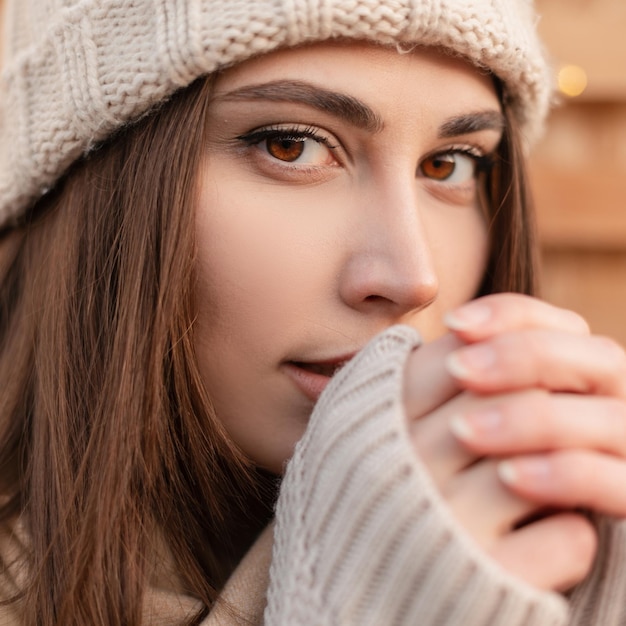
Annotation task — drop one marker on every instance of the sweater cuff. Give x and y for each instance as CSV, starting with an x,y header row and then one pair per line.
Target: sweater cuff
x,y
362,534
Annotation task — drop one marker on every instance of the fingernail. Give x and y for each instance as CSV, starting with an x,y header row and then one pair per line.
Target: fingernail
x,y
461,428
476,425
467,317
470,362
513,472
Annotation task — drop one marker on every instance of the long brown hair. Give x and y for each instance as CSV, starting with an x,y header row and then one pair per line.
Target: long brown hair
x,y
513,256
107,438
106,434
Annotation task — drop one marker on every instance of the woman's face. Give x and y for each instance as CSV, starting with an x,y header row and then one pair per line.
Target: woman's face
x,y
338,196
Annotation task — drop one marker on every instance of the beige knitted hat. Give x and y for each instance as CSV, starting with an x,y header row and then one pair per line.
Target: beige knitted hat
x,y
75,70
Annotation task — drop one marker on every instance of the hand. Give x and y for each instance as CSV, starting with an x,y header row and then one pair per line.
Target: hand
x,y
560,393
537,390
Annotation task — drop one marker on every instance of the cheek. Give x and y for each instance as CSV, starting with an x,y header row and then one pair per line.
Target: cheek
x,y
240,268
255,259
461,256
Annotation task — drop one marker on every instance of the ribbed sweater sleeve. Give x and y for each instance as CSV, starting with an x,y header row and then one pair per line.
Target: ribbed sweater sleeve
x,y
362,535
600,600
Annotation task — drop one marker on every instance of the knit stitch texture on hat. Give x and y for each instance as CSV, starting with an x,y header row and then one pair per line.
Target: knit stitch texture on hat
x,y
76,70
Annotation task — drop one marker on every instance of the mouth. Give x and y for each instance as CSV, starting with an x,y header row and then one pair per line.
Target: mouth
x,y
312,377
323,369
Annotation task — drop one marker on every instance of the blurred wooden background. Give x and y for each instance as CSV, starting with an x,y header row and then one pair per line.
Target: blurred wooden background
x,y
579,170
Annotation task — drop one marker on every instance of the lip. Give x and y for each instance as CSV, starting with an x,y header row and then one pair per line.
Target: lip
x,y
310,382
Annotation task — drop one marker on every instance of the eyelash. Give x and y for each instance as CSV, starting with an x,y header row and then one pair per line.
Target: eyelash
x,y
293,133
483,162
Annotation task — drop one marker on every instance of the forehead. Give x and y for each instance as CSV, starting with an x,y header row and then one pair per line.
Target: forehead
x,y
381,76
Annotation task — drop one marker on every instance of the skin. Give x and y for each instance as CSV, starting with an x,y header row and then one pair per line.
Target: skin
x,y
317,234
308,260
541,409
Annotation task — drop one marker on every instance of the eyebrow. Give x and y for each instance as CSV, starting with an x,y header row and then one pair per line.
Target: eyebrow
x,y
339,105
472,123
353,110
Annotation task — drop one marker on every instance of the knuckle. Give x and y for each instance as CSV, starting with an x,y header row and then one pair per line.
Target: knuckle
x,y
578,322
523,351
541,408
616,419
535,341
528,412
567,319
614,352
538,401
572,469
613,358
511,347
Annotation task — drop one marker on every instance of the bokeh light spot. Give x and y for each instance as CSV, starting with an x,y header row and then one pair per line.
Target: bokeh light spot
x,y
572,80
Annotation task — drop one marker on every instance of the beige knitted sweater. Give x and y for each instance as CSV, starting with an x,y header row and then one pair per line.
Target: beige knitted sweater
x,y
361,536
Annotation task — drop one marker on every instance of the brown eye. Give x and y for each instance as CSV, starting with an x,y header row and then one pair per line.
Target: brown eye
x,y
284,148
450,167
439,167
299,148
292,147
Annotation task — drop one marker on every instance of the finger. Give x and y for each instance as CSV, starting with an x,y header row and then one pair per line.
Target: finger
x,y
502,312
427,382
537,421
554,553
439,449
483,505
569,479
547,359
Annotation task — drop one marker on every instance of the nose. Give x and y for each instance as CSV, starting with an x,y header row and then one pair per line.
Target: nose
x,y
390,263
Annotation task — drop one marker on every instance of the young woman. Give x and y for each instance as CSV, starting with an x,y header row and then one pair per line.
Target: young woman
x,y
274,260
